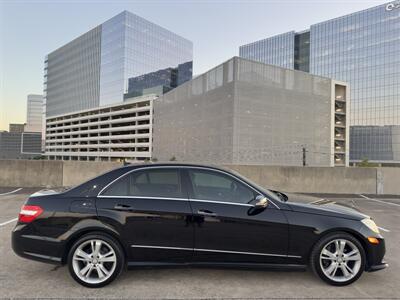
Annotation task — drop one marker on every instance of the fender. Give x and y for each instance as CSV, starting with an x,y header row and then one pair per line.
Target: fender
x,y
88,226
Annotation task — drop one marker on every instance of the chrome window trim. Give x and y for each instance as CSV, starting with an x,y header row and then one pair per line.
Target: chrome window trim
x,y
183,167
213,250
145,197
177,199
222,202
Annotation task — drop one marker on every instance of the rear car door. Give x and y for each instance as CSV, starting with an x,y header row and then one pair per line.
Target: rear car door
x,y
226,228
150,209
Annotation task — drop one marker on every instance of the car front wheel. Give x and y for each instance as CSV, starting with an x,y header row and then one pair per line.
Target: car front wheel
x,y
338,259
95,260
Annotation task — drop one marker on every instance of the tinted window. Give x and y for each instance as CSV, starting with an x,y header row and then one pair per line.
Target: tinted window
x,y
118,188
148,183
209,185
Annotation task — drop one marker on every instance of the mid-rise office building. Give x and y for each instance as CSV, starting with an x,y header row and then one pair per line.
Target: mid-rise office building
x,y
99,72
247,112
362,49
16,128
94,69
20,145
34,111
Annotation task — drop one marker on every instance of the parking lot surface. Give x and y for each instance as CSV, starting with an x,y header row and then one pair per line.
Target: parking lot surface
x,y
21,278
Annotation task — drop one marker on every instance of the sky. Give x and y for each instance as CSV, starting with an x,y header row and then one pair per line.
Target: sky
x,y
30,29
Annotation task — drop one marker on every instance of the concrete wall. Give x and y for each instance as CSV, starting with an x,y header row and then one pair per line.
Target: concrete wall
x,y
277,112
31,173
40,173
245,112
194,122
388,181
74,173
45,173
312,179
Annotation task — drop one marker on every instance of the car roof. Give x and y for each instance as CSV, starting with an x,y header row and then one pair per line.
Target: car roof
x,y
173,164
86,188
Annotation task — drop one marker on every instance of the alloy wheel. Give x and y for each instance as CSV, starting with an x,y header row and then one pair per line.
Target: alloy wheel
x,y
94,261
340,260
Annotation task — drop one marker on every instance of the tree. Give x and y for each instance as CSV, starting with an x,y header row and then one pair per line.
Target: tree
x,y
173,158
366,164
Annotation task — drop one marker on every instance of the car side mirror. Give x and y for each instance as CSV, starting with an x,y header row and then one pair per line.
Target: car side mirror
x,y
261,202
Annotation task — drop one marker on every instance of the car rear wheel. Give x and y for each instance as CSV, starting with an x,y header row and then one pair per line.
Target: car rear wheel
x,y
338,259
95,260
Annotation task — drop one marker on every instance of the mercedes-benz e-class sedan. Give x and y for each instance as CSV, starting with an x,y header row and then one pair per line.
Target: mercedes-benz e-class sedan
x,y
176,214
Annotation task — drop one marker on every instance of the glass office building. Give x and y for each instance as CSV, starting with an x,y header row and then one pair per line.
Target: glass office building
x,y
158,82
277,50
362,49
371,141
94,69
34,113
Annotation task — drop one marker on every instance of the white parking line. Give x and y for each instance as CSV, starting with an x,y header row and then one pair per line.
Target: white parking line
x,y
380,201
8,222
8,193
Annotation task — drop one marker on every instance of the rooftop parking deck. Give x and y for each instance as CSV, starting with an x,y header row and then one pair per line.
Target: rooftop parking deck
x,y
24,278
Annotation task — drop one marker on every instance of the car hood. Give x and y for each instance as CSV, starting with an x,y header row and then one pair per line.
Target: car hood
x,y
321,206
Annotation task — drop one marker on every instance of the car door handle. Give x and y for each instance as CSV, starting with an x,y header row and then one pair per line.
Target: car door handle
x,y
123,207
208,213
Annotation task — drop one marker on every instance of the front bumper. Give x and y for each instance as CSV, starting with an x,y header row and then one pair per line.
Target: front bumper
x,y
375,254
378,267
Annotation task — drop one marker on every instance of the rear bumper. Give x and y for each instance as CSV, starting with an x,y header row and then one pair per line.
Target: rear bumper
x,y
39,248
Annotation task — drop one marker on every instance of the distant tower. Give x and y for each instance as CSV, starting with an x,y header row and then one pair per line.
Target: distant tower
x,y
34,113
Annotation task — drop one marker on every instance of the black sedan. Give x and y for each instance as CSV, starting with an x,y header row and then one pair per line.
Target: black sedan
x,y
175,214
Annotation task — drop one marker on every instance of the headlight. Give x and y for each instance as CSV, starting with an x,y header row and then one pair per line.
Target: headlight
x,y
371,225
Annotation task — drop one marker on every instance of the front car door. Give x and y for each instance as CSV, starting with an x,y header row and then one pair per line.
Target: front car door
x,y
226,229
150,209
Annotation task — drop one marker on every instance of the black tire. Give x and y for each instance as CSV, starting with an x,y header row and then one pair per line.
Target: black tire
x,y
110,241
315,257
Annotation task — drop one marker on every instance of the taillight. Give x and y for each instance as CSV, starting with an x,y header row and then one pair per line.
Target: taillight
x,y
29,213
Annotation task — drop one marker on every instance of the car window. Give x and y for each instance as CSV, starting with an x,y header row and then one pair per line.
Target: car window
x,y
148,183
215,186
118,188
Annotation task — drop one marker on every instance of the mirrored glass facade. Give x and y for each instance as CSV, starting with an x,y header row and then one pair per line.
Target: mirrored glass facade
x,y
96,68
277,50
71,75
302,51
34,111
362,49
375,143
132,47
